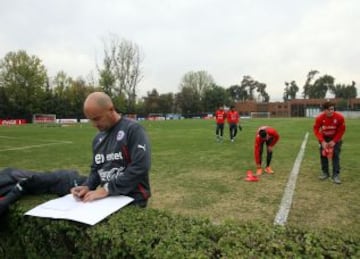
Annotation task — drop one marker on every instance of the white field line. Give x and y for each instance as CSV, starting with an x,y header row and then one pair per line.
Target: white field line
x,y
42,140
35,146
281,216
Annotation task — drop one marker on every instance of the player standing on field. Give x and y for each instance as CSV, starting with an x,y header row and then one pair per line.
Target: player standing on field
x,y
220,116
233,120
329,129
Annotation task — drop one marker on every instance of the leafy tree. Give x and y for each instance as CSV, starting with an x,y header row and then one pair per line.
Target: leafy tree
x,y
155,103
320,87
76,95
61,82
48,101
308,85
107,78
188,100
250,85
193,85
213,96
122,71
68,95
199,81
151,102
23,78
344,91
290,91
140,107
237,93
166,103
263,95
4,104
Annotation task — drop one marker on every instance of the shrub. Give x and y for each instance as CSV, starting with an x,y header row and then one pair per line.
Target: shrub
x,y
149,233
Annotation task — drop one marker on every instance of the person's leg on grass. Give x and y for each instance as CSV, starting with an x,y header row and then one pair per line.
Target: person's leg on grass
x,y
217,132
324,165
221,132
259,169
269,156
268,162
336,163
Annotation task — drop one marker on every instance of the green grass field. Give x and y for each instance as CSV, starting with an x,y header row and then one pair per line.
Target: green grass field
x,y
194,175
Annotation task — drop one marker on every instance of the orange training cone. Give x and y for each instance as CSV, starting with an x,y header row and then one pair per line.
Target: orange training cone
x,y
250,177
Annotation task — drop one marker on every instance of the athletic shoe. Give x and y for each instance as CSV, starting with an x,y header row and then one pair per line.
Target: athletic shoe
x,y
336,179
324,176
259,171
269,170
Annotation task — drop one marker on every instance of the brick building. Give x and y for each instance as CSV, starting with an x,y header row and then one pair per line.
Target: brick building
x,y
294,108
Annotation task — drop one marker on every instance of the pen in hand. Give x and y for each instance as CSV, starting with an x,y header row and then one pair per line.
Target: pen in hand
x,y
76,191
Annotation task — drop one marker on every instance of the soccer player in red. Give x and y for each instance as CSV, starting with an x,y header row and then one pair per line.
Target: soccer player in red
x,y
269,136
233,120
329,128
220,116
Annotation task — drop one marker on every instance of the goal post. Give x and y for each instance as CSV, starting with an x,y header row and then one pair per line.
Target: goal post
x,y
254,115
44,119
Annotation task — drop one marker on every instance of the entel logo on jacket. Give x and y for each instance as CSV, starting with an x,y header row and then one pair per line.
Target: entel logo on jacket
x,y
100,158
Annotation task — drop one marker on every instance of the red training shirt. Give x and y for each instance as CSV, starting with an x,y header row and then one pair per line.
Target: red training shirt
x,y
220,116
232,117
332,127
271,133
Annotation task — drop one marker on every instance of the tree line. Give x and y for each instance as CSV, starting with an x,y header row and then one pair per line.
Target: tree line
x,y
26,88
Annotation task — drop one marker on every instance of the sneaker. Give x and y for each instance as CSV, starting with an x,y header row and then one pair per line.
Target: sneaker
x,y
259,171
324,176
336,179
269,170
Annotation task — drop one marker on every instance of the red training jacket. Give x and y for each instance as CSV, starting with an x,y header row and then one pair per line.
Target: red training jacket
x,y
232,117
271,133
220,116
332,127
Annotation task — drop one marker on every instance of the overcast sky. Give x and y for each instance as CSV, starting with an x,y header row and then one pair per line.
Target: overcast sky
x,y
272,41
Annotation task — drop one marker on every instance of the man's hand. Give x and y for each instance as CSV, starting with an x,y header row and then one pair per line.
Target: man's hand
x,y
324,145
269,148
331,144
79,192
95,195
